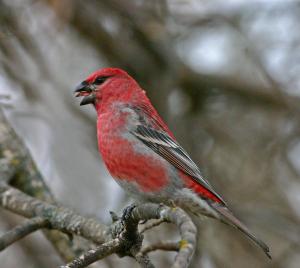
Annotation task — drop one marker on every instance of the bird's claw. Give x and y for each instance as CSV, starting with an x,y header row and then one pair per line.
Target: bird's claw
x,y
127,212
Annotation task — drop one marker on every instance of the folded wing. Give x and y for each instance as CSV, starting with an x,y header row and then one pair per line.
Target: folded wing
x,y
164,145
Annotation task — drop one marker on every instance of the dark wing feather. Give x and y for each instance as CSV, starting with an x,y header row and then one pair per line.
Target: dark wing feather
x,y
161,143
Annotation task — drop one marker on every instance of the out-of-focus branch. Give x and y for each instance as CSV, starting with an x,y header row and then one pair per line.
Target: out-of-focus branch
x,y
22,230
156,55
159,56
18,168
202,84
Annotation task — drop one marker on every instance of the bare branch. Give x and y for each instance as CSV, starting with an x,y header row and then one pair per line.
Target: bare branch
x,y
161,245
59,218
125,229
178,217
150,225
22,230
101,252
94,255
188,235
126,232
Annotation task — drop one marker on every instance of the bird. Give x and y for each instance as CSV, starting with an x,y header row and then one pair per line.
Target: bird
x,y
142,154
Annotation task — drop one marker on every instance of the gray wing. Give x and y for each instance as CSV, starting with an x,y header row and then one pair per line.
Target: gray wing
x,y
161,143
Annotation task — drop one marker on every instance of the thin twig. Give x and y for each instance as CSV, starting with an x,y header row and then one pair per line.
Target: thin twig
x,y
147,226
94,255
161,245
22,230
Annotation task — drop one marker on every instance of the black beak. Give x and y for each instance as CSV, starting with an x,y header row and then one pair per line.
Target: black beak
x,y
84,89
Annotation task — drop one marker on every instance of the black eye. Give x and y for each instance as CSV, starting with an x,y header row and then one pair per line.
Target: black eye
x,y
100,80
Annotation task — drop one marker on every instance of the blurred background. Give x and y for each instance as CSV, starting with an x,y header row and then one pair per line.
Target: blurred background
x,y
225,75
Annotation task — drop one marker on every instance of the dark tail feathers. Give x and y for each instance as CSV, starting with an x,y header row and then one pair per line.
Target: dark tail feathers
x,y
229,218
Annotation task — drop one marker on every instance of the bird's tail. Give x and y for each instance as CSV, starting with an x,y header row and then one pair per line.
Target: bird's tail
x,y
230,219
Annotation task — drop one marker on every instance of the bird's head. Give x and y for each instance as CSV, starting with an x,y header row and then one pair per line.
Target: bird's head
x,y
102,84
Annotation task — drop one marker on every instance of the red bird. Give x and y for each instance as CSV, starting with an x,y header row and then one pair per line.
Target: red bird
x,y
142,154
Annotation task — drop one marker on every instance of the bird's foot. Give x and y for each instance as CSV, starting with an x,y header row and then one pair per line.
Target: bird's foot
x,y
126,215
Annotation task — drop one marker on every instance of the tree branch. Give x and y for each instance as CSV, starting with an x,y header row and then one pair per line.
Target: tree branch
x,y
161,245
147,226
94,255
124,232
59,218
22,230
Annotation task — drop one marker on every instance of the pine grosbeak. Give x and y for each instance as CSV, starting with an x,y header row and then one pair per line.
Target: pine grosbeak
x,y
142,154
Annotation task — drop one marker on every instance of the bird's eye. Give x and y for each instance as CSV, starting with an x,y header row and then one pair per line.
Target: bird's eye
x,y
100,80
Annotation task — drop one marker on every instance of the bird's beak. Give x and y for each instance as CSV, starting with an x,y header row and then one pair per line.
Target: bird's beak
x,y
85,90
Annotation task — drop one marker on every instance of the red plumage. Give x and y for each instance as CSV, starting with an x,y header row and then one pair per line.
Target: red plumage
x,y
142,154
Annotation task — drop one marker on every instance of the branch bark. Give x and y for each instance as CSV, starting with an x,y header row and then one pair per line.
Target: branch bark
x,y
22,230
161,245
94,255
59,218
